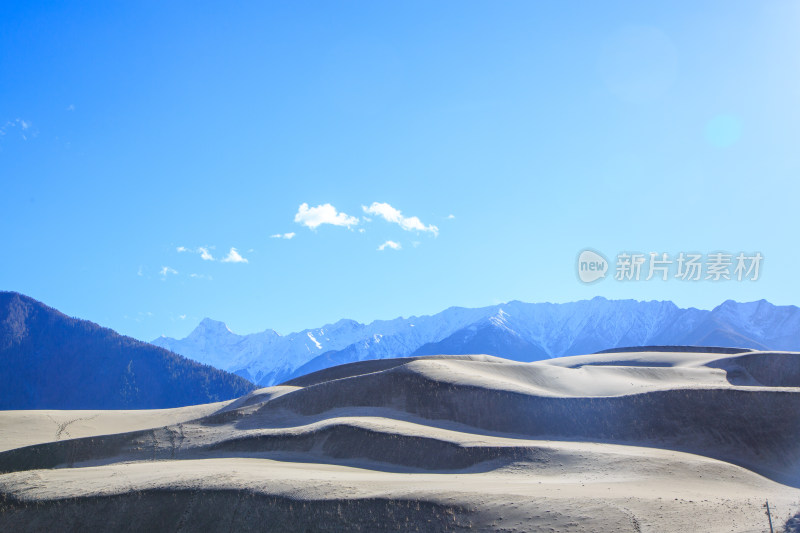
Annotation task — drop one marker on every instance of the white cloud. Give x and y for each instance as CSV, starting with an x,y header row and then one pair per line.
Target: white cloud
x,y
234,257
204,254
140,272
182,317
165,271
451,217
390,214
71,107
282,236
389,244
313,217
201,276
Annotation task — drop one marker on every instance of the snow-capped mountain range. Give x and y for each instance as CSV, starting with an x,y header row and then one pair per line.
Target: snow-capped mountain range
x,y
515,330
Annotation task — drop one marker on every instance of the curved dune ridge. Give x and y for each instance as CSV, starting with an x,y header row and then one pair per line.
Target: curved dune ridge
x,y
660,440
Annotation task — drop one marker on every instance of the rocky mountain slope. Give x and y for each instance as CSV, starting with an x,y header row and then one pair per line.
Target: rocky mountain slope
x,y
52,361
516,330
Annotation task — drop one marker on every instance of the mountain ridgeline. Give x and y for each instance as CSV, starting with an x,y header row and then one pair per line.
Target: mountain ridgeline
x,y
52,361
514,330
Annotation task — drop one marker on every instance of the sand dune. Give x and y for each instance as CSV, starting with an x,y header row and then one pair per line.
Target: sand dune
x,y
24,428
633,441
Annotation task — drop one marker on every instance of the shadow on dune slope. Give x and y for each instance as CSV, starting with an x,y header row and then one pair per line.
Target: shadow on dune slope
x,y
416,398
758,429
769,369
217,510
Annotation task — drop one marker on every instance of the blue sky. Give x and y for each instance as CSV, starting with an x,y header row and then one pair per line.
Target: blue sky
x,y
517,133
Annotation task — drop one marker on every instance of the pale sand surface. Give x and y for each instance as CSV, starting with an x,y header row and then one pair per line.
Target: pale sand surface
x,y
23,428
648,441
677,492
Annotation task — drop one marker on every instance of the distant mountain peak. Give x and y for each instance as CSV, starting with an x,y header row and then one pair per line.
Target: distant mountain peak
x,y
517,330
345,322
208,325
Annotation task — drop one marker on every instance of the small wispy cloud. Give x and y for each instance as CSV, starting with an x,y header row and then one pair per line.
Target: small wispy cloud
x,y
140,272
389,244
283,236
205,255
182,317
165,271
313,217
142,316
71,107
23,125
450,216
234,257
201,276
390,214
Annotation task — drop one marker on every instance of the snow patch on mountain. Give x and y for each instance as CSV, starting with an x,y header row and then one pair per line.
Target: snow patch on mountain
x,y
524,330
317,344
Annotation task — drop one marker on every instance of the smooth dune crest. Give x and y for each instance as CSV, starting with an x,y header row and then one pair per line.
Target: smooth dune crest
x,y
457,441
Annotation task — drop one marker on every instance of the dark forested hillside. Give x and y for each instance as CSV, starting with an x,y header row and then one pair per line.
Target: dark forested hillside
x,y
51,361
